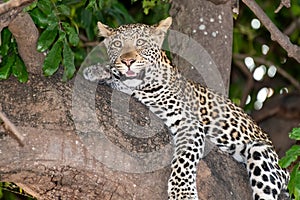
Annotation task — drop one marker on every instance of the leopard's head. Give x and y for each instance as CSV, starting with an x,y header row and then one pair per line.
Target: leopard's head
x,y
133,47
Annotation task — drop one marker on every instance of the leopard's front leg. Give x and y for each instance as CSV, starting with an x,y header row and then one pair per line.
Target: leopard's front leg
x,y
189,147
188,135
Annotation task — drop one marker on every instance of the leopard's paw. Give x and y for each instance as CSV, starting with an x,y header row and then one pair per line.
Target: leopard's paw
x,y
97,73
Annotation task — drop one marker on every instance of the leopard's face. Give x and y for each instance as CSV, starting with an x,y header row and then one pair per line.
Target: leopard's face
x,y
132,48
135,47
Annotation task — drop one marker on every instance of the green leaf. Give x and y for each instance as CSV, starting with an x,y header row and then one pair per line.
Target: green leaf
x,y
5,41
294,183
147,5
290,156
72,34
297,186
295,9
53,19
39,18
64,10
47,38
92,4
73,37
86,18
100,5
295,134
53,59
120,12
62,35
79,55
6,65
45,6
30,7
42,20
19,70
68,62
1,193
87,22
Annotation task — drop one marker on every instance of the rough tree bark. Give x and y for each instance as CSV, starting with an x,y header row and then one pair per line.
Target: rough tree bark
x,y
56,162
211,26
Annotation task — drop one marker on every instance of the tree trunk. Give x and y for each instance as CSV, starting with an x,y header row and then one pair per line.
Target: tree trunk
x,y
210,26
78,146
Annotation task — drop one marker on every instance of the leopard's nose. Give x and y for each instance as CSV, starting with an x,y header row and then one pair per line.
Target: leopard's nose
x,y
128,61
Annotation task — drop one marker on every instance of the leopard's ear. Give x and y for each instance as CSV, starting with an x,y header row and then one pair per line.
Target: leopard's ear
x,y
164,24
104,30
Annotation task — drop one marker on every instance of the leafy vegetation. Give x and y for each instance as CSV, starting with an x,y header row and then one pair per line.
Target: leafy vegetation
x,y
11,63
291,159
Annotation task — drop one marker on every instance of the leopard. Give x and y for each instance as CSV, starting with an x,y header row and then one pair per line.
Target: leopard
x,y
139,67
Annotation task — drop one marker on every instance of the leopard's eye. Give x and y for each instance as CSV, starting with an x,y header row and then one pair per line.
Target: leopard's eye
x,y
117,43
140,42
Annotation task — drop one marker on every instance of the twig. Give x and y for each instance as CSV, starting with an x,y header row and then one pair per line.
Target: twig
x,y
276,35
280,71
285,3
8,125
4,7
292,27
279,107
83,38
265,113
90,44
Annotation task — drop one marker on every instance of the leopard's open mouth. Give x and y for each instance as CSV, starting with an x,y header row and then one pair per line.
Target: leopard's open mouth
x,y
133,75
130,73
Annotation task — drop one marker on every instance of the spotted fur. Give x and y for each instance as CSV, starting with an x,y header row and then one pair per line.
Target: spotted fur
x,y
192,112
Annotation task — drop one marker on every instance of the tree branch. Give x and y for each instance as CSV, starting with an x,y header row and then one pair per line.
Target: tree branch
x,y
26,34
8,125
292,27
5,7
280,71
276,35
285,3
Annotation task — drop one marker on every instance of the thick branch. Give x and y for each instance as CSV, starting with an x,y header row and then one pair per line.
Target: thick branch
x,y
276,35
9,10
12,4
26,35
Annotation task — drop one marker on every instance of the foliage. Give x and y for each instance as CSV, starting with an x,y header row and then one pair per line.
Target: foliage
x,y
291,158
11,62
67,28
152,4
